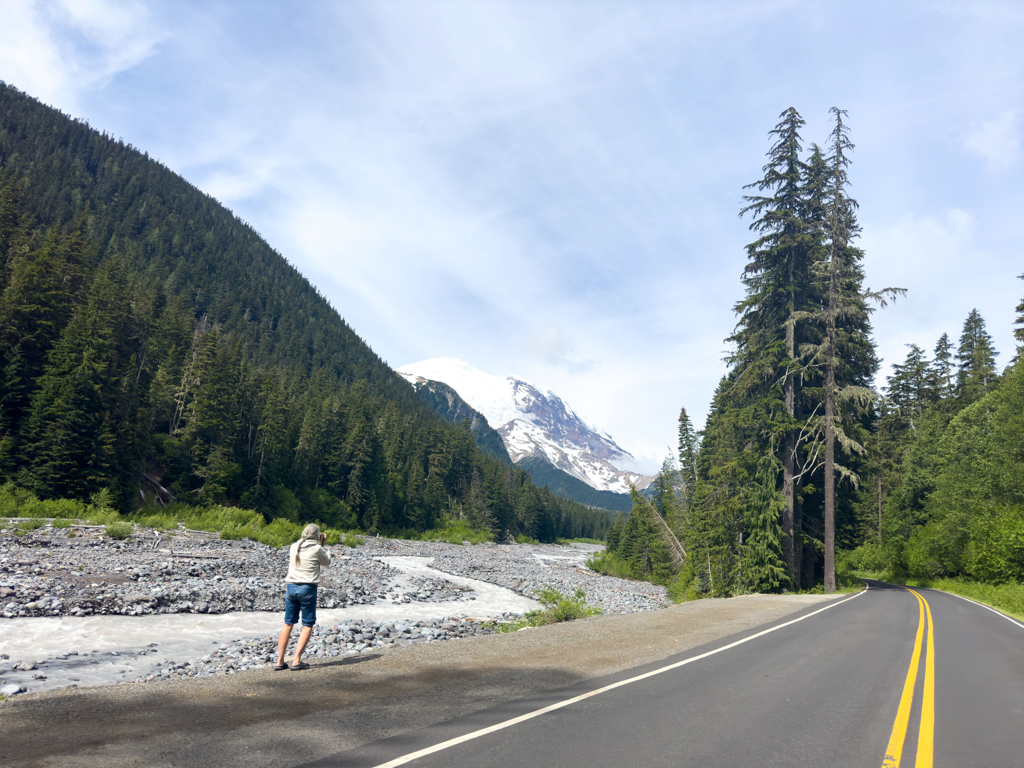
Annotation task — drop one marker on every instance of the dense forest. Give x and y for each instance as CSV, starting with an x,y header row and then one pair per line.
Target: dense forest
x,y
800,457
154,347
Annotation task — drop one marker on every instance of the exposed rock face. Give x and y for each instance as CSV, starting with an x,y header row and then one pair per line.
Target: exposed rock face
x,y
533,422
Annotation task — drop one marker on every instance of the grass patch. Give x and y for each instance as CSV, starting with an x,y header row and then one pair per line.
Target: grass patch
x,y
456,532
345,538
17,502
1008,598
31,525
558,607
120,530
522,538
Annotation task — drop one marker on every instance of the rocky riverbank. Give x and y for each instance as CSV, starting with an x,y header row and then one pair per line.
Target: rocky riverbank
x,y
80,572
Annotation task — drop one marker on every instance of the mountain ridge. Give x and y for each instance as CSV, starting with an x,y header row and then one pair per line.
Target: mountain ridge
x,y
535,422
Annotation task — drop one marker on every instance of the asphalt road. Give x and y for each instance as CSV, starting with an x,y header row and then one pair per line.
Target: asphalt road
x,y
886,677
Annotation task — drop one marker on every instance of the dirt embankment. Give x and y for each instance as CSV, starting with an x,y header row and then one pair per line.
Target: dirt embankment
x,y
267,718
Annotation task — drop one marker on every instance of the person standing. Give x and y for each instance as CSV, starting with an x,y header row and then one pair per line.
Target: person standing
x,y
305,559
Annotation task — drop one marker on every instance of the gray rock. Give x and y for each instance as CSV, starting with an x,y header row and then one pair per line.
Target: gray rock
x,y
12,689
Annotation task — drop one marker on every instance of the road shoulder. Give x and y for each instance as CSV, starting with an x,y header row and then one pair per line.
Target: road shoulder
x,y
286,719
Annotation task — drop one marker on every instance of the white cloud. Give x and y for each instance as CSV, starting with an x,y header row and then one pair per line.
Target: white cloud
x,y
54,51
550,189
996,141
947,269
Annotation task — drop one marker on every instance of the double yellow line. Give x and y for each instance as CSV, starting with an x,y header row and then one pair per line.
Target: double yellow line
x,y
926,733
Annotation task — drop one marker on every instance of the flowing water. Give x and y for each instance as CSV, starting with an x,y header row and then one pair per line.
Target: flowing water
x,y
113,648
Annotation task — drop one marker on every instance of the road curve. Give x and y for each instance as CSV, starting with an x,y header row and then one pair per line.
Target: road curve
x,y
889,677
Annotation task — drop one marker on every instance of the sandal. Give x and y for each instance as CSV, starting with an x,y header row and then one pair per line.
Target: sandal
x,y
300,665
281,667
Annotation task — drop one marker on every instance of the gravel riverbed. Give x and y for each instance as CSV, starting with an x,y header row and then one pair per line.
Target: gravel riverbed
x,y
375,597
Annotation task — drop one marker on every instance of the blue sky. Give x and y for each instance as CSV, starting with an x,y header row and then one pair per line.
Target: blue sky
x,y
551,189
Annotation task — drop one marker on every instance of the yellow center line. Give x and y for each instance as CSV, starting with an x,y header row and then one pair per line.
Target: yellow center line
x,y
894,751
926,733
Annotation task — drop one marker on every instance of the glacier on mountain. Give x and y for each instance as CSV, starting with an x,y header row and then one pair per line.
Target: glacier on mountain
x,y
535,422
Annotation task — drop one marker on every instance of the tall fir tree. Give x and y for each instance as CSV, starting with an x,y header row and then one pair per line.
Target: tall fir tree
x,y
913,387
1018,332
976,360
943,367
776,284
846,352
689,448
762,568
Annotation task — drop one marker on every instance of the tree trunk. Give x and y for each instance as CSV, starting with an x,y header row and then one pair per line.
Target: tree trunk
x,y
879,507
788,486
830,448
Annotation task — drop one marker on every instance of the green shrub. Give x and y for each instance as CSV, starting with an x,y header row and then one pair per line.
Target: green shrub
x,y
17,502
522,538
120,530
456,532
103,517
610,564
564,608
233,531
683,589
870,557
558,607
62,522
31,525
159,522
996,550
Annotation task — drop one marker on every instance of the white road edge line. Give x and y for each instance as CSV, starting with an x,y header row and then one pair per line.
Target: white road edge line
x,y
536,713
982,605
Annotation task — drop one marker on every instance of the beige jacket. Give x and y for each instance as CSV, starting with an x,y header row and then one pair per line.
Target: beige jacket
x,y
311,557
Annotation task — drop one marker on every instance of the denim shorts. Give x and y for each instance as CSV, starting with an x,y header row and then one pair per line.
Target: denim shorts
x,y
300,597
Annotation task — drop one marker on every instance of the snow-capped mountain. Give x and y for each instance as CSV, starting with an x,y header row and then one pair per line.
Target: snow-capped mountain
x,y
534,423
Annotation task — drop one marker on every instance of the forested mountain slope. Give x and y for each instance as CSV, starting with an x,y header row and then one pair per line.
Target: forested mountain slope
x,y
565,485
447,404
154,344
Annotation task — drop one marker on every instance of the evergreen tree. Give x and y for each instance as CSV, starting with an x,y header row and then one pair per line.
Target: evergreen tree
x,y
845,320
943,366
69,435
976,360
912,386
776,284
1018,332
689,447
762,568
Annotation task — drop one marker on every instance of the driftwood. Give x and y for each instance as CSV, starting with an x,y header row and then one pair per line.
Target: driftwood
x,y
163,495
678,553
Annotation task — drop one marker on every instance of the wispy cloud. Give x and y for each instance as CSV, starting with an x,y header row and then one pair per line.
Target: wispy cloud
x,y
55,50
997,141
550,189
